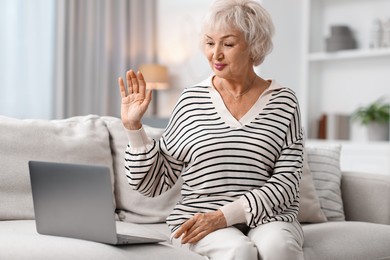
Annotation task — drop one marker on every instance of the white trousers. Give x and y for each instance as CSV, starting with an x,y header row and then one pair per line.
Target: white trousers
x,y
272,241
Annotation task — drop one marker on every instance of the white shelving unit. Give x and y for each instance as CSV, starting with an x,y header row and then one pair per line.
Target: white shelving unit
x,y
349,54
339,82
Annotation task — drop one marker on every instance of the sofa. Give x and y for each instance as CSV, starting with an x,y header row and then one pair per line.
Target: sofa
x,y
345,218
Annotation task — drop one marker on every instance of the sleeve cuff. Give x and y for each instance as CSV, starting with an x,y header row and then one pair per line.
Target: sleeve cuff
x,y
234,212
138,138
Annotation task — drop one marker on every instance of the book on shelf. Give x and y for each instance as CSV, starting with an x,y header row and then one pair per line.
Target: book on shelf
x,y
334,127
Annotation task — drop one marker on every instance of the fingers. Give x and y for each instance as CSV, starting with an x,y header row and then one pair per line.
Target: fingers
x,y
185,227
196,237
129,82
135,82
191,235
149,95
122,88
141,83
191,230
193,224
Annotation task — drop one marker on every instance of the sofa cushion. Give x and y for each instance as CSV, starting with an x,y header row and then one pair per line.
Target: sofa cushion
x,y
324,164
19,240
131,205
83,140
346,241
309,204
367,191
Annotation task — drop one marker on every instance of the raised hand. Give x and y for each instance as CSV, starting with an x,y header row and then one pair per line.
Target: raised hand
x,y
135,101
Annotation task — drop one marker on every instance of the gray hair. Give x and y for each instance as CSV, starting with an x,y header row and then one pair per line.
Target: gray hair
x,y
247,16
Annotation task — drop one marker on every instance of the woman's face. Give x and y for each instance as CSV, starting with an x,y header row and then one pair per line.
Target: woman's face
x,y
228,54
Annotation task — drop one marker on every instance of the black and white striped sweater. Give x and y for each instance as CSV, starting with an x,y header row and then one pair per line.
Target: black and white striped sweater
x,y
250,169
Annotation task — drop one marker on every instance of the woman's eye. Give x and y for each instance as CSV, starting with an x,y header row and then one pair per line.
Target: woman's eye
x,y
210,43
229,44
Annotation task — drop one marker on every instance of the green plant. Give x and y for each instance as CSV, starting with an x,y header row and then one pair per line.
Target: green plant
x,y
376,112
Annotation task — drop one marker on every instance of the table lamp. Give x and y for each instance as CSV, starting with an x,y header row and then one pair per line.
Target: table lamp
x,y
156,77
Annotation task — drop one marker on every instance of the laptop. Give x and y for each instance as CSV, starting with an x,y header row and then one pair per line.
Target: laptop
x,y
76,201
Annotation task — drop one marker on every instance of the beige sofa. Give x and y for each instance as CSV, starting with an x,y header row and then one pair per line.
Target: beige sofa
x,y
101,140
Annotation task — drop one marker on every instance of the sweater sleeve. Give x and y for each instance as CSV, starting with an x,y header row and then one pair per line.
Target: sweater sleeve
x,y
235,212
279,195
278,199
138,138
152,167
149,169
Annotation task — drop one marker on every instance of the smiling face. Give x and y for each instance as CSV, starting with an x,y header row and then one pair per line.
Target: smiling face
x,y
228,53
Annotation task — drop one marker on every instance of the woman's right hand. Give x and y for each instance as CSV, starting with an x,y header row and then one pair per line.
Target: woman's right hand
x,y
135,101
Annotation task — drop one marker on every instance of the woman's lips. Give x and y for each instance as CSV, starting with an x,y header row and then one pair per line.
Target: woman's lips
x,y
219,66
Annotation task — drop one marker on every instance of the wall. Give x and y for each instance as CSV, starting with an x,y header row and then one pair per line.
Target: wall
x,y
283,64
178,28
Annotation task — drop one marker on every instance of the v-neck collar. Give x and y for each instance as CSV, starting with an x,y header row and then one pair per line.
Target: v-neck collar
x,y
250,115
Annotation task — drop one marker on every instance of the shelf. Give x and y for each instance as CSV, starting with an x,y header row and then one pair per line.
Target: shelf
x,y
325,142
349,54
340,82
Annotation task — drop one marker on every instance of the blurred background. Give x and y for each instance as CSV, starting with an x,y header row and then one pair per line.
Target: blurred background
x,y
62,58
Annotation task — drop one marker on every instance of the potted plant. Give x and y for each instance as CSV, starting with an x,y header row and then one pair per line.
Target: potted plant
x,y
375,117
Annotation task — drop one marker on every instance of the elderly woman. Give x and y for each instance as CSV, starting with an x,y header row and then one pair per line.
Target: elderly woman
x,y
236,141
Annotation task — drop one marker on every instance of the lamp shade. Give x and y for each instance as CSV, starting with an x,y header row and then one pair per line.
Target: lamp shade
x,y
155,75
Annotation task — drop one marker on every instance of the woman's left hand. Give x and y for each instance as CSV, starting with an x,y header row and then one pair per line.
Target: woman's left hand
x,y
200,226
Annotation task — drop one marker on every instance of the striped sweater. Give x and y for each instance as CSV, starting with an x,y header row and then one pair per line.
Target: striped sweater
x,y
250,168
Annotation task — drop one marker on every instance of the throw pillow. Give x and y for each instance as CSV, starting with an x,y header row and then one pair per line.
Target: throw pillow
x,y
309,204
324,164
83,140
131,205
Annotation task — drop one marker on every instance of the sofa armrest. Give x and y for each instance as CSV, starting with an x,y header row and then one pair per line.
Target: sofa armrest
x,y
366,197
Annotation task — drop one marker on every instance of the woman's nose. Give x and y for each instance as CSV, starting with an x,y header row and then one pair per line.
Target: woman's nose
x,y
218,54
